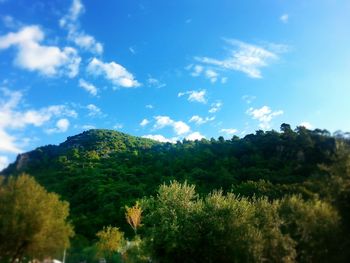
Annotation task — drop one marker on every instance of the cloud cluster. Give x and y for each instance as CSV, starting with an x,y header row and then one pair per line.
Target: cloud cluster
x,y
243,57
14,119
34,56
62,125
179,127
49,60
160,138
199,120
215,107
113,72
209,73
264,115
195,136
93,110
195,96
70,22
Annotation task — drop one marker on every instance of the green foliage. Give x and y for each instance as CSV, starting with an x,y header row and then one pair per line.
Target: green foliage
x,y
314,225
181,227
33,222
100,172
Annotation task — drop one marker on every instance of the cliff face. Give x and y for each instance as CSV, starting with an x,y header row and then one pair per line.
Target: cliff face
x,y
22,161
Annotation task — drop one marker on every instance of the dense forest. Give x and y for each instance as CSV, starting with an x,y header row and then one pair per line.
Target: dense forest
x,y
268,197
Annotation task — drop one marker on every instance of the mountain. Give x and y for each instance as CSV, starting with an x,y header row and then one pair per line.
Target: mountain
x,y
101,171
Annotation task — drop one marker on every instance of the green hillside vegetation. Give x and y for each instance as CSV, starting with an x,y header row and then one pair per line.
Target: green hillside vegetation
x,y
268,197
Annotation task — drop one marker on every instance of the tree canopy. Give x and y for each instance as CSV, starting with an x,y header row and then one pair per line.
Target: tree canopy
x,y
33,222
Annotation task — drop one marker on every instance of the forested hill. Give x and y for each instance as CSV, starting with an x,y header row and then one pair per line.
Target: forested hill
x,y
100,171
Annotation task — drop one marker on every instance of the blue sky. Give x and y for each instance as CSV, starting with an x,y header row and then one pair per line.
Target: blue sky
x,y
170,70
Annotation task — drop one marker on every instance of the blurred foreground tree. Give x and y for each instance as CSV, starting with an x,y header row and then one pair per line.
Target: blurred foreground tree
x,y
180,226
33,222
111,241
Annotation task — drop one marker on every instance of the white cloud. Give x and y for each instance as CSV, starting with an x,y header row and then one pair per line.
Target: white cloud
x,y
306,124
10,22
31,55
160,138
196,70
87,42
88,87
13,119
179,127
4,162
75,10
71,24
8,143
211,75
144,122
195,136
118,126
163,121
149,106
243,57
284,18
264,115
199,120
215,107
62,125
248,98
153,82
195,96
93,110
113,72
229,132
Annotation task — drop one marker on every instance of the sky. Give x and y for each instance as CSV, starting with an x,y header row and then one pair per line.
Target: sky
x,y
170,70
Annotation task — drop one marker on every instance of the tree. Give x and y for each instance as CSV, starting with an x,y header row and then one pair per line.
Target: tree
x,y
181,227
314,225
111,241
33,222
133,216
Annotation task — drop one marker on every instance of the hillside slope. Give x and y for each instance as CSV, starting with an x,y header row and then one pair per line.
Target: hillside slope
x,y
100,171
